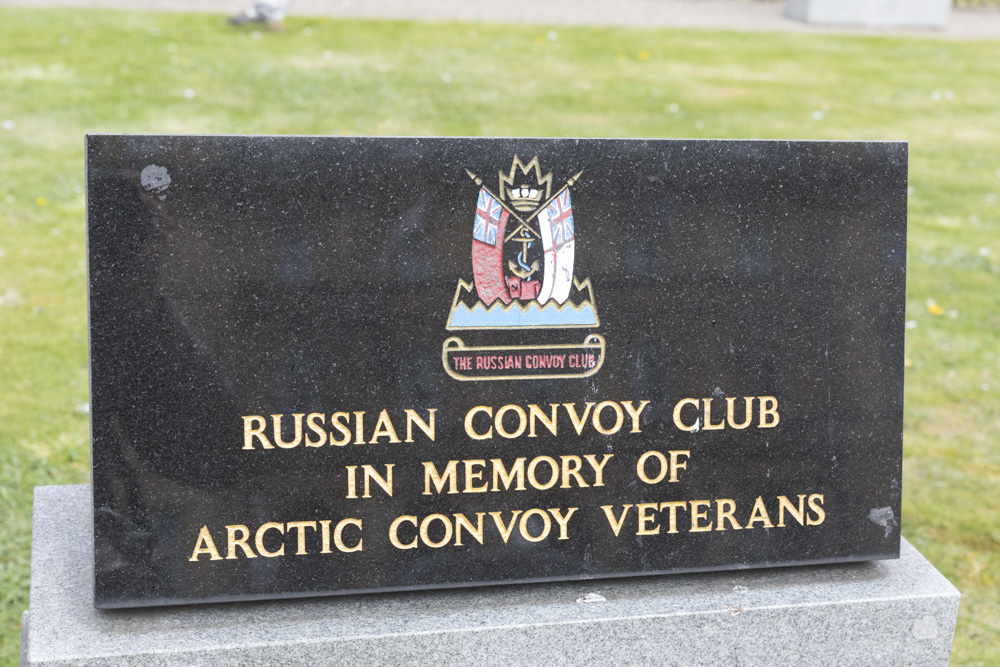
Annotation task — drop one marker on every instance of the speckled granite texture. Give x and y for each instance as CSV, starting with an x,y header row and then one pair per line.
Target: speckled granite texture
x,y
236,282
892,612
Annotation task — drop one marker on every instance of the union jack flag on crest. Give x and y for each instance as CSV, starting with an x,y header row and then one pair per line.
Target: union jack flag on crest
x,y
487,222
487,249
561,218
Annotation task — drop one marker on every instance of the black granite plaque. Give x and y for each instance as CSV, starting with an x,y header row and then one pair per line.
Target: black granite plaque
x,y
338,365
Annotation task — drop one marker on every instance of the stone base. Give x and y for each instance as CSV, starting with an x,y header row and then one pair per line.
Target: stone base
x,y
872,13
890,612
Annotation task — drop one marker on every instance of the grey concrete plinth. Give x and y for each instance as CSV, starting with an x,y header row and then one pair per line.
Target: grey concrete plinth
x,y
872,13
883,613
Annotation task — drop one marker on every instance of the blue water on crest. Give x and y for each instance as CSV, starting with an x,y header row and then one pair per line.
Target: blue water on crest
x,y
533,316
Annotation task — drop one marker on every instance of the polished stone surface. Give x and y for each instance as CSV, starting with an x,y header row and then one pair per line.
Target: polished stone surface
x,y
236,278
882,613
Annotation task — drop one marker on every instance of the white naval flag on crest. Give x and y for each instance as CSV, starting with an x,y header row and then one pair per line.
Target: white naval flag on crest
x,y
556,223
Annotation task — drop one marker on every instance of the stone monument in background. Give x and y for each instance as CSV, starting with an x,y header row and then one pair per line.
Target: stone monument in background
x,y
872,13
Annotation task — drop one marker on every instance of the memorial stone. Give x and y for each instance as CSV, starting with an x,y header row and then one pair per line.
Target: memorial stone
x,y
341,365
923,14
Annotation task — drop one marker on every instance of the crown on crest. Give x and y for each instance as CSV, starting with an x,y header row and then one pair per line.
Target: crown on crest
x,y
522,188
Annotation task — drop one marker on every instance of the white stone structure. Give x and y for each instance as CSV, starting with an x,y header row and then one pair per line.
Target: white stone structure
x,y
872,13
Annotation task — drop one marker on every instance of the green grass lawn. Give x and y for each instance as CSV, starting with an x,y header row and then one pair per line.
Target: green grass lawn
x,y
65,73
